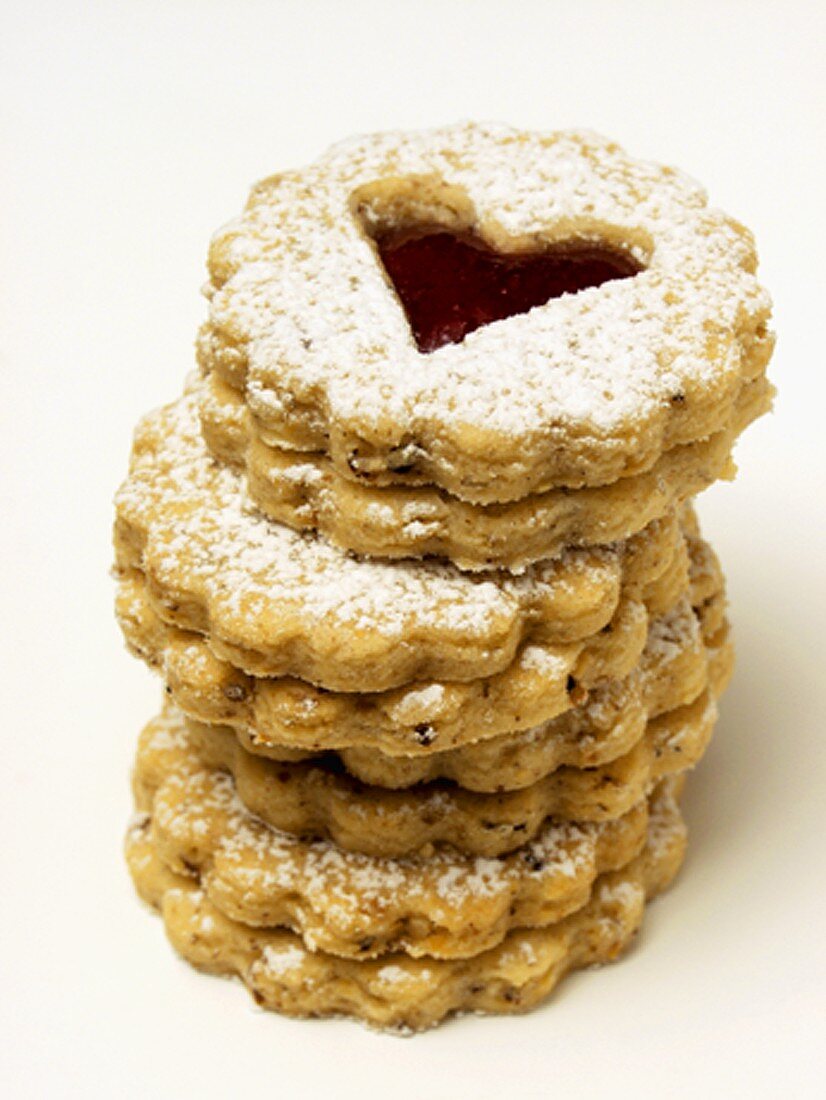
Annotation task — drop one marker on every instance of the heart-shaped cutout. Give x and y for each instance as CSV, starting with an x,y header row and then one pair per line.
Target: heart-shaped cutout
x,y
450,285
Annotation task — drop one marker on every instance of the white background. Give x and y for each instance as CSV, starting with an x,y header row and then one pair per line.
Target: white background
x,y
129,132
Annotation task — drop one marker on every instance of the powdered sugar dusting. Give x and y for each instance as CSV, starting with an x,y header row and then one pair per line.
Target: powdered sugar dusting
x,y
672,634
279,960
393,975
541,659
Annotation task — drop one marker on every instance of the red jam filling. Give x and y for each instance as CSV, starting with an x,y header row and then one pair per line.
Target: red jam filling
x,y
451,285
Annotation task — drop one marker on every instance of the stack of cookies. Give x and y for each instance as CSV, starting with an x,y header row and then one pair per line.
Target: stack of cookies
x,y
416,557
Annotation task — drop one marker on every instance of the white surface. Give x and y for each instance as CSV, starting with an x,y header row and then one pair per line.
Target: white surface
x,y
129,132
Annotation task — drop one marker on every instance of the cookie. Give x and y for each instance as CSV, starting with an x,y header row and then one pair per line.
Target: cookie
x,y
608,725
652,324
421,719
317,799
396,990
275,603
441,902
305,491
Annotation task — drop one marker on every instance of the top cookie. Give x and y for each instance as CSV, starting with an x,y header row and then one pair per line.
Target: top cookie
x,y
362,304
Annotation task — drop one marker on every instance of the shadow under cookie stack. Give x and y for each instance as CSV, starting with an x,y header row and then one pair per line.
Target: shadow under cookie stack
x,y
416,557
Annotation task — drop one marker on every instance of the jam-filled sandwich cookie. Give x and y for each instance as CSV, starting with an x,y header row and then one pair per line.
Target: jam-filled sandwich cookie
x,y
276,603
489,311
397,989
441,902
305,491
317,799
504,734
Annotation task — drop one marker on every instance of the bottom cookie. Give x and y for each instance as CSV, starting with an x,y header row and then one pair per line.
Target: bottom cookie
x,y
399,992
